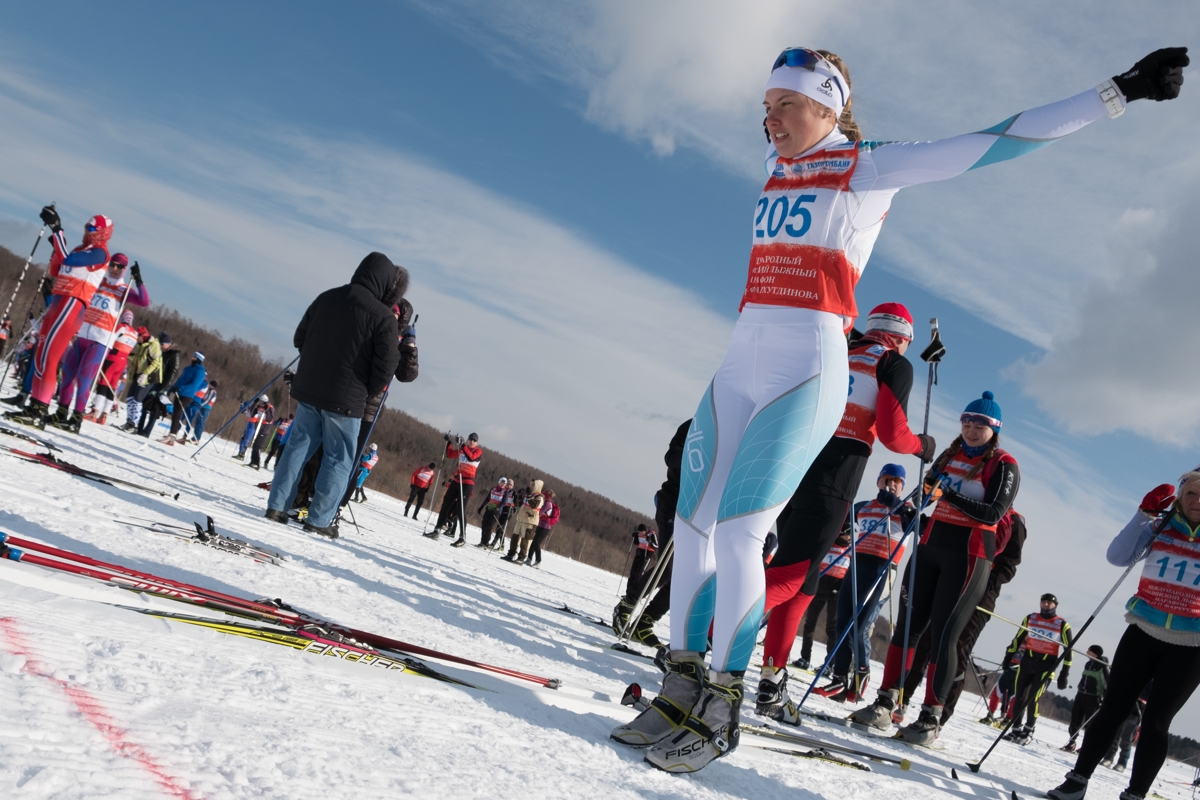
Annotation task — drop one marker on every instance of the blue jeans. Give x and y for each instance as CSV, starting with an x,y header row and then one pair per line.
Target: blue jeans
x,y
311,429
859,646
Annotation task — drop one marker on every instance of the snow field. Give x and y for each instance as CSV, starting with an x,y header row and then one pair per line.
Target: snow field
x,y
100,701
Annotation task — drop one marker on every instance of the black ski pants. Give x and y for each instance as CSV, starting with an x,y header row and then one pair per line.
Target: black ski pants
x,y
535,549
1140,658
180,408
501,525
275,453
660,604
151,411
1033,676
825,598
416,495
966,645
453,504
491,516
1081,712
949,584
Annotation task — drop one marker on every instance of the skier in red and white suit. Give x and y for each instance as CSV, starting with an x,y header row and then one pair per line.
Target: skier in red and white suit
x,y
96,336
76,275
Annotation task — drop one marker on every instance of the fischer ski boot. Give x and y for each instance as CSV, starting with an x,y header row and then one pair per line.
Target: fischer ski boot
x,y
681,689
1070,746
59,417
926,729
643,632
459,542
240,457
433,534
802,663
17,400
621,613
71,425
878,715
710,732
34,414
773,700
856,688
1073,788
991,720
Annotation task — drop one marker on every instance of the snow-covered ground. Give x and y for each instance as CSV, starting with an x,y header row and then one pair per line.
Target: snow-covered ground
x,y
100,701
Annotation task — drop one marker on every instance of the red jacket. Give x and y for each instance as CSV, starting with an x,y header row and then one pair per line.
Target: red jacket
x,y
422,477
468,461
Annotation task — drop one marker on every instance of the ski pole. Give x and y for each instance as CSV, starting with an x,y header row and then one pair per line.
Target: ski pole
x,y
437,477
648,589
912,526
1162,526
1025,628
362,450
931,355
24,269
625,570
238,413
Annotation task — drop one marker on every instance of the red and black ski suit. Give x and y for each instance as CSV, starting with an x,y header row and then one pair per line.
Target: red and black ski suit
x,y
76,276
813,518
954,561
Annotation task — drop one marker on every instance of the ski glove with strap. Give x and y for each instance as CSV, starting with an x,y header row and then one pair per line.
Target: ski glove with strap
x,y
928,447
136,272
1158,76
51,218
1158,500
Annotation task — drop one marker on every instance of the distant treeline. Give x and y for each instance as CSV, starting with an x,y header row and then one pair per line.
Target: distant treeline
x,y
593,529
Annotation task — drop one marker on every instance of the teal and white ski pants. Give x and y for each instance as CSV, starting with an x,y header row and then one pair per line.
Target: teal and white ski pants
x,y
773,404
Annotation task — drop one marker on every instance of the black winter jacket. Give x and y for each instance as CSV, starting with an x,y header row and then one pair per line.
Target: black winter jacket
x,y
348,339
170,367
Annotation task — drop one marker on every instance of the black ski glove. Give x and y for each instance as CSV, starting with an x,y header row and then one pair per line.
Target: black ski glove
x,y
886,498
928,447
1062,679
1158,76
51,218
447,438
136,272
288,377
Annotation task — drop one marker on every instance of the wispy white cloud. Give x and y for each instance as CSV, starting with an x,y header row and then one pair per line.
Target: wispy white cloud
x,y
1013,243
572,358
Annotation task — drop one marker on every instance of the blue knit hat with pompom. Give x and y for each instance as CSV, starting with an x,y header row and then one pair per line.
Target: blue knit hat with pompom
x,y
986,406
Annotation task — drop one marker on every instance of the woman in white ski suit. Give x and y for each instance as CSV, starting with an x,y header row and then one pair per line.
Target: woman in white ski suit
x,y
780,391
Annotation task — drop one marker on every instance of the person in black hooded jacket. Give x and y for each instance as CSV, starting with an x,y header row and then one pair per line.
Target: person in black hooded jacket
x,y
349,350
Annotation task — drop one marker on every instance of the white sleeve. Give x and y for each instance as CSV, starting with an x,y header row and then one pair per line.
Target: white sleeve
x,y
900,164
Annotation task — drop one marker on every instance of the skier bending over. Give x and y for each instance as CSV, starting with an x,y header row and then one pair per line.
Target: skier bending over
x,y
1162,642
781,390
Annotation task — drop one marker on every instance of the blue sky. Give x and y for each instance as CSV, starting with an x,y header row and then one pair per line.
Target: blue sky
x,y
571,186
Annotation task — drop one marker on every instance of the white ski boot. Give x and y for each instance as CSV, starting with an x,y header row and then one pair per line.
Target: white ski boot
x,y
680,690
878,715
710,732
926,729
773,700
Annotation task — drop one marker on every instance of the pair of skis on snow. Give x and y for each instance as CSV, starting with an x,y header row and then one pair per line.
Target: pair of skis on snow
x,y
48,459
208,537
266,620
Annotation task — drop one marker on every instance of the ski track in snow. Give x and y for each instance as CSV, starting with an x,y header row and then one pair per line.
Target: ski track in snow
x,y
103,702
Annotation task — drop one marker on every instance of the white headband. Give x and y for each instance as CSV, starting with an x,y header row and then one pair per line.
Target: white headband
x,y
823,84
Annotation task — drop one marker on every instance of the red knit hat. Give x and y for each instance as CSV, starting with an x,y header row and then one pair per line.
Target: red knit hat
x,y
891,318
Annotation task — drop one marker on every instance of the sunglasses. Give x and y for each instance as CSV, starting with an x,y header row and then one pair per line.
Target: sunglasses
x,y
798,57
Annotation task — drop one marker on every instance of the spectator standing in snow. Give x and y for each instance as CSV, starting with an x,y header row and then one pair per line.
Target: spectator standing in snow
x,y
418,486
183,395
547,518
145,372
282,427
528,516
349,351
365,465
203,409
156,402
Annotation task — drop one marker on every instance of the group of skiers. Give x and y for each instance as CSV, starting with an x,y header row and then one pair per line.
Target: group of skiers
x,y
777,441
532,510
85,348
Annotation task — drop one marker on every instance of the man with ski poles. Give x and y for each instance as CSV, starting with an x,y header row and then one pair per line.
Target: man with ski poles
x,y
258,412
460,486
490,509
1034,654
